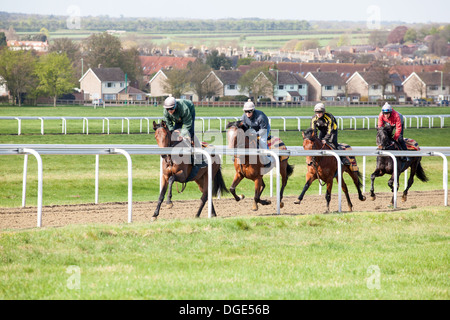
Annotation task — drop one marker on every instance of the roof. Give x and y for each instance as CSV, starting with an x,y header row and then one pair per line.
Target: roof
x,y
344,69
132,90
228,76
329,78
152,64
434,78
404,71
294,93
109,74
285,77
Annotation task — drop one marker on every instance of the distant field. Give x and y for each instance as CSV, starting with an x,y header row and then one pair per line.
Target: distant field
x,y
261,41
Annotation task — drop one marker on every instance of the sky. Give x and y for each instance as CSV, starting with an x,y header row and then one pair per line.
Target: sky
x,y
372,11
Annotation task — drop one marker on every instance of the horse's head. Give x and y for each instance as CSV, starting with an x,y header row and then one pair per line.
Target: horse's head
x,y
235,132
384,137
162,134
310,140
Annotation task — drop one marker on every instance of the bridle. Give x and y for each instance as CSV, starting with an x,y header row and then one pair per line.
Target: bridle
x,y
314,162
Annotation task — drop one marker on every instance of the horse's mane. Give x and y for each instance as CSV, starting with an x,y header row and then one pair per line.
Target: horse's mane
x,y
308,133
236,124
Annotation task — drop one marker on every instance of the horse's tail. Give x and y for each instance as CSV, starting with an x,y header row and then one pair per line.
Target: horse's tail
x,y
219,184
420,173
289,169
358,173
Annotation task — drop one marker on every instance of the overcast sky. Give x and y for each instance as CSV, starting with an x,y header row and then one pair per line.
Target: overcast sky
x,y
411,11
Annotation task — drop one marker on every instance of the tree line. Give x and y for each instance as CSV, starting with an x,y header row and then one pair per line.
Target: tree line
x,y
33,23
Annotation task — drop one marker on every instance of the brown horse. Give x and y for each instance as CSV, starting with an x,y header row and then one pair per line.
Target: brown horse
x,y
385,165
253,170
325,168
181,170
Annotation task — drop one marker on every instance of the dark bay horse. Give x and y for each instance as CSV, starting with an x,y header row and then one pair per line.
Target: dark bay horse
x,y
177,169
385,165
252,168
325,168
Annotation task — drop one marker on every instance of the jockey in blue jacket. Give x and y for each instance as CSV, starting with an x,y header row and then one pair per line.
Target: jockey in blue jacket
x,y
258,121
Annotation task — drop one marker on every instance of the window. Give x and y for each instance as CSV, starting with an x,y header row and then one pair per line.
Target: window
x,y
109,85
110,97
300,87
328,88
281,87
375,87
434,88
292,87
232,86
122,84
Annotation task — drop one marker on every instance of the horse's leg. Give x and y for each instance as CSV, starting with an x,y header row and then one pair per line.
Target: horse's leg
x,y
411,179
356,180
169,203
284,179
328,194
161,198
375,174
309,179
347,196
259,185
237,179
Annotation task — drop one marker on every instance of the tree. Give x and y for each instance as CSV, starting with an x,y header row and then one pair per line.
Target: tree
x,y
216,61
410,35
177,82
257,88
198,72
103,49
378,38
55,75
380,73
3,42
17,70
397,35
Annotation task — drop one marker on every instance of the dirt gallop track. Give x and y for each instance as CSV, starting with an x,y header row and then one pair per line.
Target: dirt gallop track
x,y
117,213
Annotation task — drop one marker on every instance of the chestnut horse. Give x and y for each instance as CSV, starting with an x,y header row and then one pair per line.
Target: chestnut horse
x,y
325,168
385,165
180,170
253,170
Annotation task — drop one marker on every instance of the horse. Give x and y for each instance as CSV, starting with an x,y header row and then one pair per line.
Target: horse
x,y
325,169
385,165
239,137
176,170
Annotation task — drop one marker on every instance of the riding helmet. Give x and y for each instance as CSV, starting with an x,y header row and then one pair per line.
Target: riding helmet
x,y
320,107
386,108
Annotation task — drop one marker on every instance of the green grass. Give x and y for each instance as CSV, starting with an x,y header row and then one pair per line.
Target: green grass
x,y
295,257
70,179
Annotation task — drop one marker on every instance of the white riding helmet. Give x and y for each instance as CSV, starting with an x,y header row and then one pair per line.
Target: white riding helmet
x,y
169,103
320,107
249,105
386,108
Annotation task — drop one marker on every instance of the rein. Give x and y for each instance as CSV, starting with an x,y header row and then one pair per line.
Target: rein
x,y
315,164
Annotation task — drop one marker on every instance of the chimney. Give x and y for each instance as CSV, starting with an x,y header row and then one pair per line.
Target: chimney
x,y
99,65
318,69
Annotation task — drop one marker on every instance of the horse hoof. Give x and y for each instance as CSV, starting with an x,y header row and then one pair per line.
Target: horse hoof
x,y
404,198
242,197
255,207
169,205
373,198
281,205
153,219
363,198
297,202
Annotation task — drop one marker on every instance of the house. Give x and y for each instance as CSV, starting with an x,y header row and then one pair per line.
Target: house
x,y
287,86
38,46
367,86
157,85
152,64
325,86
106,83
223,83
433,85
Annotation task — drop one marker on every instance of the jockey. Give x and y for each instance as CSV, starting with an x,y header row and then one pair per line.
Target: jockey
x,y
395,119
326,124
180,114
259,122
